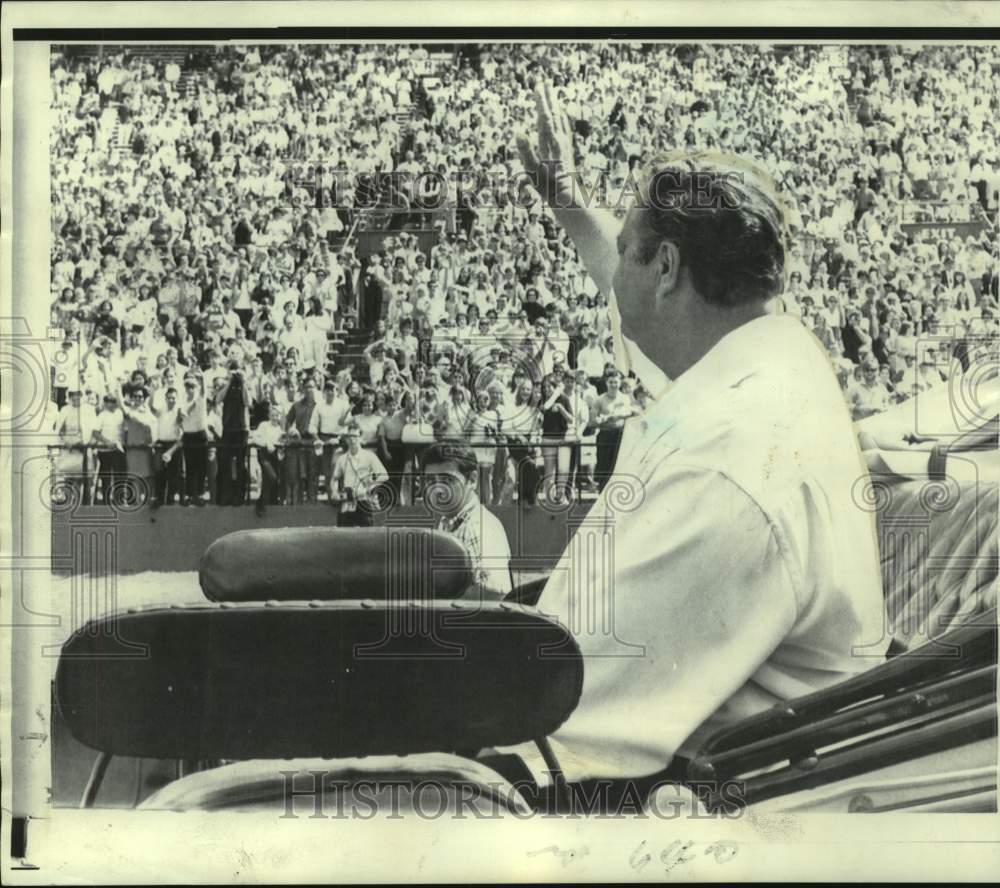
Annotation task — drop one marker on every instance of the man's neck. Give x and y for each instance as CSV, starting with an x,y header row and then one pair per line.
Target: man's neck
x,y
705,325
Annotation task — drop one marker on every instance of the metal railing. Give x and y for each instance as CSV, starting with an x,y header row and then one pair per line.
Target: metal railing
x,y
136,476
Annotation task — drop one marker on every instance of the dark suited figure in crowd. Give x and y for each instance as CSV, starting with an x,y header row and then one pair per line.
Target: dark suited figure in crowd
x,y
233,478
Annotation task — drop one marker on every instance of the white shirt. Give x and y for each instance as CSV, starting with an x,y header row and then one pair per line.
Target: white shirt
x,y
591,360
359,471
268,435
75,424
168,426
331,416
744,570
195,417
110,424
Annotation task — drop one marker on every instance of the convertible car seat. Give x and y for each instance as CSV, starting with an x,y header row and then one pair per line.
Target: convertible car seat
x,y
359,689
335,564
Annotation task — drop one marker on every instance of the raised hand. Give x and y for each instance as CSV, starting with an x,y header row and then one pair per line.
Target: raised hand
x,y
550,163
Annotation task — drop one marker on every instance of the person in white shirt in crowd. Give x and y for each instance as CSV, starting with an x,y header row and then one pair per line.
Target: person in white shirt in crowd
x,y
368,420
332,415
744,574
168,453
291,335
451,483
481,424
74,427
869,395
585,397
267,439
97,368
108,439
356,477
193,416
608,415
375,358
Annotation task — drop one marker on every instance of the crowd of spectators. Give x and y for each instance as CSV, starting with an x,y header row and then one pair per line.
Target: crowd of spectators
x,y
197,286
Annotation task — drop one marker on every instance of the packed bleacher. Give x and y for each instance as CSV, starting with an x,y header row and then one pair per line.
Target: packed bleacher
x,y
237,284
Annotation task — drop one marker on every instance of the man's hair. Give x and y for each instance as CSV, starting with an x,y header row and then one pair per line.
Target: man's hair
x,y
726,218
452,450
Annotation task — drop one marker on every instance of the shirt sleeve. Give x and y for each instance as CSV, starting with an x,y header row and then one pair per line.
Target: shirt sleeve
x,y
496,557
695,592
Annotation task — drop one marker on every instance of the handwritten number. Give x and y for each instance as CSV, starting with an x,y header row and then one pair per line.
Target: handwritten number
x,y
723,851
638,860
676,853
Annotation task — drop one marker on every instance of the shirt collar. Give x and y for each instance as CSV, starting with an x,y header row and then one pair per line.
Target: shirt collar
x,y
451,524
732,359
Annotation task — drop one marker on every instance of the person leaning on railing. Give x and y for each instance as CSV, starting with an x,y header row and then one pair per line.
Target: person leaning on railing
x,y
109,441
301,467
193,416
521,427
609,414
556,419
368,421
168,462
268,439
74,426
332,412
483,430
391,449
139,431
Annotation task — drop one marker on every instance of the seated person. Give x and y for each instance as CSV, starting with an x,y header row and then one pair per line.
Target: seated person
x,y
451,484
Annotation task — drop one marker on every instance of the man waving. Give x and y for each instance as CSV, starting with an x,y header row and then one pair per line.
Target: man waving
x,y
743,572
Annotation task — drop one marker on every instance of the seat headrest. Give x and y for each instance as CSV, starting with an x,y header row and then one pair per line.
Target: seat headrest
x,y
326,679
335,564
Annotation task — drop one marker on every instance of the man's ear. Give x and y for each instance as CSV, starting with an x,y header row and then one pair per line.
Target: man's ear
x,y
668,260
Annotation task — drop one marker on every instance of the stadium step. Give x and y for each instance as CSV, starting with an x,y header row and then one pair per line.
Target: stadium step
x,y
189,82
118,143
